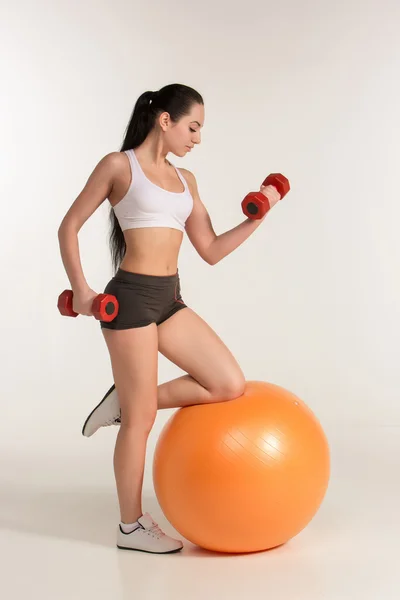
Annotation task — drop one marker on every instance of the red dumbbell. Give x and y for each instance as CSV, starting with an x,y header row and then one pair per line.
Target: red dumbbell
x,y
104,307
256,204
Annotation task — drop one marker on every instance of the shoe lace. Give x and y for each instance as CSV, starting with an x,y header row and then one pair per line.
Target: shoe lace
x,y
112,421
155,530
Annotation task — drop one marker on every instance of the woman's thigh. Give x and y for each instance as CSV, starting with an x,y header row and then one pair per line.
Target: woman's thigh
x,y
134,362
190,343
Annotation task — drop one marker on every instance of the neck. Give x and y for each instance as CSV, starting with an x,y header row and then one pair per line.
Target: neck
x,y
152,153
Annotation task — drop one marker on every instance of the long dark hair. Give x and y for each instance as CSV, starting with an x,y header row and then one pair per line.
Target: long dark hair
x,y
177,100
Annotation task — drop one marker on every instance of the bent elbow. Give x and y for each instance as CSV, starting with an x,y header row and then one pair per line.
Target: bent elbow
x,y
209,254
209,259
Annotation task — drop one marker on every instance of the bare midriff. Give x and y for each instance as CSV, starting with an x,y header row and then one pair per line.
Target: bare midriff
x,y
152,250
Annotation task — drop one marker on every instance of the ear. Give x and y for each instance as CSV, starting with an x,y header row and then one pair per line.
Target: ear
x,y
164,120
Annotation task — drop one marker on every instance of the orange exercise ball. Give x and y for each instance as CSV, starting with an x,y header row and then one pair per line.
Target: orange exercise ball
x,y
242,475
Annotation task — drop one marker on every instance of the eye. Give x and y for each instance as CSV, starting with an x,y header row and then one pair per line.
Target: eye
x,y
193,130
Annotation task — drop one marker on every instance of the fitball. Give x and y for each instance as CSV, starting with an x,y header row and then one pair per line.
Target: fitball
x,y
242,475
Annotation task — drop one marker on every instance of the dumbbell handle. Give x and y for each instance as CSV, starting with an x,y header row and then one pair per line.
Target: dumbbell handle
x,y
104,308
255,205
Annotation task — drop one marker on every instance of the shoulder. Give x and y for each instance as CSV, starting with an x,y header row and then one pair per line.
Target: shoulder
x,y
113,165
191,180
187,174
115,160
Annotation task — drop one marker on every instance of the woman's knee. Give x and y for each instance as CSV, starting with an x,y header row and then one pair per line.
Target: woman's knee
x,y
138,422
139,417
231,387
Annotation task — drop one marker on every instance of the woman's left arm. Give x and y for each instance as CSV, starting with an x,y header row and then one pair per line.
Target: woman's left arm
x,y
210,246
227,242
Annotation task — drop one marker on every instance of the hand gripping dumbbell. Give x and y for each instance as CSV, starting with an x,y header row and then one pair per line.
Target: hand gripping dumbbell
x,y
104,307
256,204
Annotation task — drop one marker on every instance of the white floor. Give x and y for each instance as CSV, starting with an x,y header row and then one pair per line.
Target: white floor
x,y
57,536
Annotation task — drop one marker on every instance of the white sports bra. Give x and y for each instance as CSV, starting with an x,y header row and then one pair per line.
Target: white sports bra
x,y
147,205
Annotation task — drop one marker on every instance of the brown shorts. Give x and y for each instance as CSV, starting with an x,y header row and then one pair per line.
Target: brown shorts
x,y
143,299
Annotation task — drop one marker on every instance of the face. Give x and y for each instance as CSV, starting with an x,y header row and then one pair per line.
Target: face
x,y
180,137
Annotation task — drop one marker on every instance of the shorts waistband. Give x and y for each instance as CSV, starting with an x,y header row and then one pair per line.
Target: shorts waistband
x,y
131,276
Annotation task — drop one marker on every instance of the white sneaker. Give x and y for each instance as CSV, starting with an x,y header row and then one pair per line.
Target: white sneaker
x,y
107,412
147,537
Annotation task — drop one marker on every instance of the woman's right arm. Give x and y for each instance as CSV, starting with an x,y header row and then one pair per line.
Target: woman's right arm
x,y
96,190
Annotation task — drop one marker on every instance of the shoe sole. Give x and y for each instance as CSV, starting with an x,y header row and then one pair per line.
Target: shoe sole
x,y
112,388
149,551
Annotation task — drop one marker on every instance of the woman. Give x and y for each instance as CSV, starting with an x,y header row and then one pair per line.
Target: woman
x,y
152,204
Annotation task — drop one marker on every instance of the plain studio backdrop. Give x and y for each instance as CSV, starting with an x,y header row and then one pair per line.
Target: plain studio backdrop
x,y
309,302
